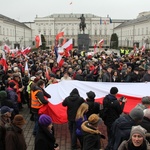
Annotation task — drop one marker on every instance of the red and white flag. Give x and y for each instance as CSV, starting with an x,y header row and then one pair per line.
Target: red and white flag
x,y
100,43
7,48
26,50
60,34
95,47
3,61
143,48
132,91
38,40
68,45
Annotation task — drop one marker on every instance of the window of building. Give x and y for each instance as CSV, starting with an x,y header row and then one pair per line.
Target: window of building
x,y
0,30
44,32
105,31
100,32
95,32
3,31
146,30
7,32
142,31
139,31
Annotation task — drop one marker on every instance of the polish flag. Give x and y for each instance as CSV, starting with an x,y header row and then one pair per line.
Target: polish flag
x,y
95,47
7,48
60,60
26,50
143,48
3,61
132,91
60,34
38,40
100,43
68,45
64,41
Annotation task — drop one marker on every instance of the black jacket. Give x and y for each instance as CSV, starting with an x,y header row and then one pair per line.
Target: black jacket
x,y
44,140
91,137
146,124
94,107
72,102
113,109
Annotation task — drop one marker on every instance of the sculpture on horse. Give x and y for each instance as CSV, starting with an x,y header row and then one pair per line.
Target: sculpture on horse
x,y
82,24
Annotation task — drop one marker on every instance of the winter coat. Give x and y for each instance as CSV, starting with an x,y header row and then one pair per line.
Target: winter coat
x,y
146,124
107,77
91,137
121,130
124,145
113,109
12,95
94,107
78,125
44,139
2,137
72,103
14,139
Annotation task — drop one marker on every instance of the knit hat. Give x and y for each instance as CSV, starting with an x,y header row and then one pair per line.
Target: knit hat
x,y
93,119
19,120
12,84
45,120
6,109
136,114
91,94
3,95
146,100
138,130
114,90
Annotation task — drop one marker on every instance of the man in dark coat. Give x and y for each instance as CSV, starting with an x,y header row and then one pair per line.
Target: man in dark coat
x,y
14,139
93,106
122,126
146,122
72,102
107,76
112,108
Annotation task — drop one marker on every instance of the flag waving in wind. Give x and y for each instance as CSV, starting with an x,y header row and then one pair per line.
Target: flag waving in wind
x,y
60,34
38,40
7,48
100,43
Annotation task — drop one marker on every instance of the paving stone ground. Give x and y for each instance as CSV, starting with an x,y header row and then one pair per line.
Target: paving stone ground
x,y
61,132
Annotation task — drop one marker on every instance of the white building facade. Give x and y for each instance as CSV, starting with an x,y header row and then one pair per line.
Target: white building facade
x,y
14,33
135,31
51,25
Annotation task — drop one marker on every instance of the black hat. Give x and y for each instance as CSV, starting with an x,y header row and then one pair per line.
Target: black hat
x,y
91,94
114,90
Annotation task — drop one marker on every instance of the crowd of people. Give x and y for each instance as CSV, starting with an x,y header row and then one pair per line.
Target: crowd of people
x,y
25,85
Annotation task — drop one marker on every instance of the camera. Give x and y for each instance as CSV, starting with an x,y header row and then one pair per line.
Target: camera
x,y
121,99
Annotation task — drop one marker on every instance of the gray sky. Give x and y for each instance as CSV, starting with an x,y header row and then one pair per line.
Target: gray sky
x,y
26,10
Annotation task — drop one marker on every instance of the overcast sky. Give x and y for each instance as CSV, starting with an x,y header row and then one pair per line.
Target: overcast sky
x,y
26,10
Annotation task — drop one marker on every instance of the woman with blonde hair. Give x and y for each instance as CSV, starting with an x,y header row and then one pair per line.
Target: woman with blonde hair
x,y
80,118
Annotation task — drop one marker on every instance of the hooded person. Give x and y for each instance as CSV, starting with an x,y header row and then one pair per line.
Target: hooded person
x,y
45,136
91,134
72,102
14,134
137,140
93,106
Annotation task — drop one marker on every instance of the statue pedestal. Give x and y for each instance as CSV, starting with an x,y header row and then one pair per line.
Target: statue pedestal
x,y
83,42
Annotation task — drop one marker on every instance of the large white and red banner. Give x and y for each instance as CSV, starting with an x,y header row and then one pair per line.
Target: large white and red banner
x,y
132,91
